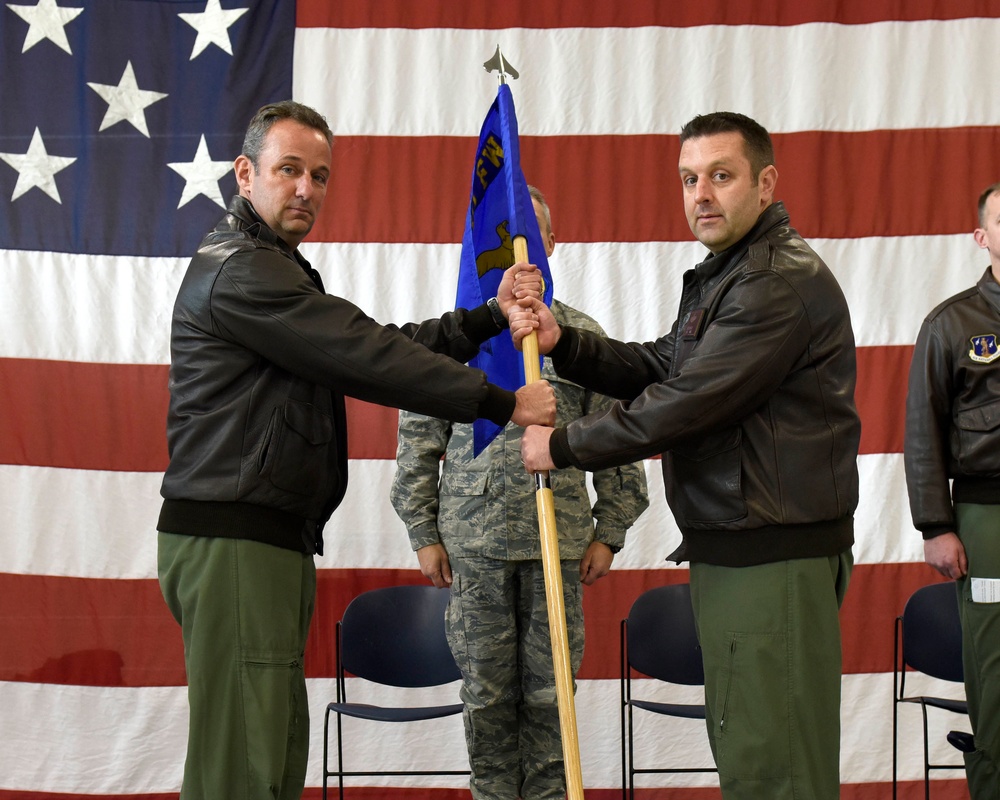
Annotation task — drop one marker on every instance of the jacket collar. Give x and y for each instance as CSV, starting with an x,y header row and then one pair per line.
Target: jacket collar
x,y
716,264
241,216
990,289
247,219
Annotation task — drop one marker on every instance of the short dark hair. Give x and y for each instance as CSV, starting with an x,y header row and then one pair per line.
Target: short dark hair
x,y
988,192
756,140
267,115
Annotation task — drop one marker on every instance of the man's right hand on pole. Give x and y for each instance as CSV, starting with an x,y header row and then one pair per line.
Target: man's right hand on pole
x,y
535,405
531,314
535,452
522,280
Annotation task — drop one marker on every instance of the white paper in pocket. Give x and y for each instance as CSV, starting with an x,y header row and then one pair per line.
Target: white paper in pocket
x,y
986,590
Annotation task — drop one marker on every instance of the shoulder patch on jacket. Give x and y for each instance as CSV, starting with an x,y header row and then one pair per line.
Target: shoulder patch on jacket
x,y
984,348
758,255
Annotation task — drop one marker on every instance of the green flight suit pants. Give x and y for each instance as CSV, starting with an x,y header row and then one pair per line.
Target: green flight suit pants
x,y
244,610
770,640
979,530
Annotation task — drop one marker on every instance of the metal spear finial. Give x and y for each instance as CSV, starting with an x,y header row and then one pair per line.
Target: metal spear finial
x,y
502,65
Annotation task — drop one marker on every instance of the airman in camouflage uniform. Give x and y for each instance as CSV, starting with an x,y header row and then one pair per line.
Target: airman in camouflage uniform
x,y
475,527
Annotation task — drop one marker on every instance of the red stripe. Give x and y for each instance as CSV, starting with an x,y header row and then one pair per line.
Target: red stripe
x,y
638,13
953,789
948,789
876,595
83,416
880,395
119,632
632,207
114,416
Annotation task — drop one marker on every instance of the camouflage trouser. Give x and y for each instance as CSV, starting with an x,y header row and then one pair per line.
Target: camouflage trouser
x,y
498,629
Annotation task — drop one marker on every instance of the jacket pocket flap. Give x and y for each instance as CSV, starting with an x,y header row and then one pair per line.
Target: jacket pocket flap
x,y
710,446
462,483
312,425
983,418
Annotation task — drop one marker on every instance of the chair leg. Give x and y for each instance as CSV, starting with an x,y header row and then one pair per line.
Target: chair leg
x,y
326,750
340,757
927,759
623,704
898,679
624,782
895,723
631,754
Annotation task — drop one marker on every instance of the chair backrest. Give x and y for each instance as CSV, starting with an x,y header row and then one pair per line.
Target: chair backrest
x,y
661,638
932,632
395,636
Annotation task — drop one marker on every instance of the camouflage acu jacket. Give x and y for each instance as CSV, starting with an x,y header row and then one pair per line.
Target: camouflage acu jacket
x,y
485,506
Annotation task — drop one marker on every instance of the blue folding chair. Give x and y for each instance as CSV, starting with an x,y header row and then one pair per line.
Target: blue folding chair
x,y
928,639
658,639
392,636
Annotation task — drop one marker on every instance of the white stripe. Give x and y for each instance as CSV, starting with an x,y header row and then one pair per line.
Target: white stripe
x,y
117,309
890,283
884,532
127,740
70,307
102,524
584,81
79,523
92,740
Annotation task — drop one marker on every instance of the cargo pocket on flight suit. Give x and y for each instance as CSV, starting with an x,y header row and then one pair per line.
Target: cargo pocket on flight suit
x,y
752,719
271,683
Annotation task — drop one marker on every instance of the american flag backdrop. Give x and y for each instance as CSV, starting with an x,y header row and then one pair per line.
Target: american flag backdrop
x,y
119,121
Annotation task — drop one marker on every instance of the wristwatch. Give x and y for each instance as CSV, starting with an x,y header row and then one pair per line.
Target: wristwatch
x,y
494,306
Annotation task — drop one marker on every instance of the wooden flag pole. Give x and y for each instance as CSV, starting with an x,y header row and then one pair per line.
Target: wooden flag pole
x,y
552,570
551,564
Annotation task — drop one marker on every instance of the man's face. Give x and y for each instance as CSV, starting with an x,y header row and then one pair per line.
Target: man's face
x,y
288,189
987,236
721,199
548,237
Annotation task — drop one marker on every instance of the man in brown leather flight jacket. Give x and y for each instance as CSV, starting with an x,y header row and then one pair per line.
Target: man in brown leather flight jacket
x,y
750,400
261,359
953,435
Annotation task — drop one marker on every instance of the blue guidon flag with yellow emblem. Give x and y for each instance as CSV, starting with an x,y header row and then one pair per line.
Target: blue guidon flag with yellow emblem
x,y
499,210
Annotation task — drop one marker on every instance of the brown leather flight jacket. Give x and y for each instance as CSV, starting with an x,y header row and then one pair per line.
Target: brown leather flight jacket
x,y
749,399
953,408
261,359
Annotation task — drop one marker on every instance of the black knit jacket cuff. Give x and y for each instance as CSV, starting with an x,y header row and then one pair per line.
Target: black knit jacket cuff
x,y
498,406
559,450
565,346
